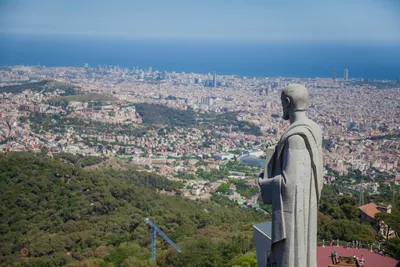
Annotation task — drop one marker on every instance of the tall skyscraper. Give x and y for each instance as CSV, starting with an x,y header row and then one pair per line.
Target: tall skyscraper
x,y
398,80
141,75
215,80
268,90
206,101
346,74
334,75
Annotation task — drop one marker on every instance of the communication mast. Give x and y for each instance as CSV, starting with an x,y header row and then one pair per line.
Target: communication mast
x,y
394,194
362,193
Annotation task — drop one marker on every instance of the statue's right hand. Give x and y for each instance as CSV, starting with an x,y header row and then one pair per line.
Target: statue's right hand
x,y
260,178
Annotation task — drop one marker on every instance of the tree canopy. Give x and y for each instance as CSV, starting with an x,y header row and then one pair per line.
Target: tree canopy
x,y
66,215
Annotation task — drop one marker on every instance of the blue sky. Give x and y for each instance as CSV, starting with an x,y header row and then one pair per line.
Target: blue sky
x,y
355,20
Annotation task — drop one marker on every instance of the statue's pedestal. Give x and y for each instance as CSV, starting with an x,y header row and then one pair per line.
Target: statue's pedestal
x,y
262,238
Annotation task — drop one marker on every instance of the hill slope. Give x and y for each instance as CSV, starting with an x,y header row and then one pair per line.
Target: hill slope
x,y
159,114
47,86
65,215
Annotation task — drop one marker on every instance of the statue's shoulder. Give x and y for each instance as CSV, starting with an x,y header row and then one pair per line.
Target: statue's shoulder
x,y
295,141
315,128
295,134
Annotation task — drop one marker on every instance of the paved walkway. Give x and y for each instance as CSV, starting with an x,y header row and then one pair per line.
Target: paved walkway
x,y
371,259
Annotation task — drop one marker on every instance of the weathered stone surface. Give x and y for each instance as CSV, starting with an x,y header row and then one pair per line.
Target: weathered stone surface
x,y
293,183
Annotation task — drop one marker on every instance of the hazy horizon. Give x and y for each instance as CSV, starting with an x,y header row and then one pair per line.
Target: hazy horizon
x,y
247,38
81,36
252,59
357,20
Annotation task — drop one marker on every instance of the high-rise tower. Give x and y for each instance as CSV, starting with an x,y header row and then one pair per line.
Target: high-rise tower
x,y
334,75
346,74
215,80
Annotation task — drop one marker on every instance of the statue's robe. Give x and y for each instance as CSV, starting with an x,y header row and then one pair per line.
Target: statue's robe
x,y
293,186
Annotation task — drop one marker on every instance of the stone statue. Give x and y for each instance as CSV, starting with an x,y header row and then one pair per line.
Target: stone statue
x,y
293,183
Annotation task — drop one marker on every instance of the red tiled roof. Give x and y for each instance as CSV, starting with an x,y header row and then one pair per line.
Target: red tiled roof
x,y
370,209
371,259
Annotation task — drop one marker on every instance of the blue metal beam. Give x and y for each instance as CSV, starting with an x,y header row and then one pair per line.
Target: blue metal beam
x,y
153,244
156,230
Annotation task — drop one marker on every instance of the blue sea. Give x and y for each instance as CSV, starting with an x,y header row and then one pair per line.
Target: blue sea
x,y
253,59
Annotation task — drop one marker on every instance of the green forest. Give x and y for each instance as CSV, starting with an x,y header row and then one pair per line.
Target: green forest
x,y
46,86
158,114
338,218
66,215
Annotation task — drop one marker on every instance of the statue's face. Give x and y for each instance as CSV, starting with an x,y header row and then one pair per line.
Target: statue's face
x,y
285,106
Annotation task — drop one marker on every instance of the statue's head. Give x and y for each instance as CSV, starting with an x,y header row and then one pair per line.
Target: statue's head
x,y
294,98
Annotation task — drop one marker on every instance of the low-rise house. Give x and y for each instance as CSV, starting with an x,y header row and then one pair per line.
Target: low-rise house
x,y
369,211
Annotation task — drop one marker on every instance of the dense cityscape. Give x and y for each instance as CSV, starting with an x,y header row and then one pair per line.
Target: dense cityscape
x,y
208,134
359,117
